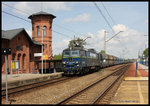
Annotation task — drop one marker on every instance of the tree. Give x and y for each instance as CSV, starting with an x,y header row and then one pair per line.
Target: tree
x,y
102,51
145,52
57,57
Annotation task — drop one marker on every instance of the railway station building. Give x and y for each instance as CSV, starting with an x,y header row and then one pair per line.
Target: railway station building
x,y
23,47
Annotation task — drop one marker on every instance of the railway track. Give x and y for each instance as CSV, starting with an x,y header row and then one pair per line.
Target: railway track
x,y
20,89
94,92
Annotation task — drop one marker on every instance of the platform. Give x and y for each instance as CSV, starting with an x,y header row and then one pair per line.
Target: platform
x,y
133,74
15,80
134,87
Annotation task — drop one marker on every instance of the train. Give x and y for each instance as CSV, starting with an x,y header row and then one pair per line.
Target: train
x,y
80,61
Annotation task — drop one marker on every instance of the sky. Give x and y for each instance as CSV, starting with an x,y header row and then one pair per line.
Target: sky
x,y
83,19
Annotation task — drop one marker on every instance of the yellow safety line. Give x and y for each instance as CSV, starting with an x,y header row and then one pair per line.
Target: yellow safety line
x,y
140,93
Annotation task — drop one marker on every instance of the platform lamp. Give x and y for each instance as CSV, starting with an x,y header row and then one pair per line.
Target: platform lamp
x,y
6,52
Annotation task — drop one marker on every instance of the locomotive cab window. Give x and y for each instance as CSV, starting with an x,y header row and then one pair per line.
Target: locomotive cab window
x,y
75,53
66,54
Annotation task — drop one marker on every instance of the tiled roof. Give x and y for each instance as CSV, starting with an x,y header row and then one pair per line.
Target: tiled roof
x,y
10,34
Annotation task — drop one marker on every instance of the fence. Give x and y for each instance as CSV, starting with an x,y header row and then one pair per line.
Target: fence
x,y
144,63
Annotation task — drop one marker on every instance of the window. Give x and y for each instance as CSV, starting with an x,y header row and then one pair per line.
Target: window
x,y
23,61
45,45
19,38
38,30
75,53
19,55
66,54
44,30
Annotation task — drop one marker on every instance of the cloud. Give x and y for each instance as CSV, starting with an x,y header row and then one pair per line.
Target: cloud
x,y
56,6
119,27
32,7
80,18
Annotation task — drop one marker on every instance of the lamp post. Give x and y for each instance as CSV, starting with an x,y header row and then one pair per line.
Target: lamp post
x,y
105,44
105,41
145,44
42,49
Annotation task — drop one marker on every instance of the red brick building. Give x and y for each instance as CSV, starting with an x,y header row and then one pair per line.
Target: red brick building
x,y
23,47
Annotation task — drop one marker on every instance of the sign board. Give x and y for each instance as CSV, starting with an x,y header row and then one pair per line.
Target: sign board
x,y
45,57
15,64
37,54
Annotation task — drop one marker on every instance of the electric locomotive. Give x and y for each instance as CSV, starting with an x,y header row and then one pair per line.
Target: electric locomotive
x,y
79,61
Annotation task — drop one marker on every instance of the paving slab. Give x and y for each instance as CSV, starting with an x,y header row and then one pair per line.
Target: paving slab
x,y
132,92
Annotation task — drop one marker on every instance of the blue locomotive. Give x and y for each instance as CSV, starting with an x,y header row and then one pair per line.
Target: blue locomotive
x,y
80,61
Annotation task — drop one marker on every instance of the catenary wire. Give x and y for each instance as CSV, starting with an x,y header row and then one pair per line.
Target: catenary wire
x,y
30,22
53,23
108,13
103,16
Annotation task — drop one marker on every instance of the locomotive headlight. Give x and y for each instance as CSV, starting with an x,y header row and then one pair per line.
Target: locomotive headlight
x,y
104,60
76,62
64,62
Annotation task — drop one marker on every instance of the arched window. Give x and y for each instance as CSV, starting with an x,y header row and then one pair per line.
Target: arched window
x,y
18,58
23,61
38,30
44,30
